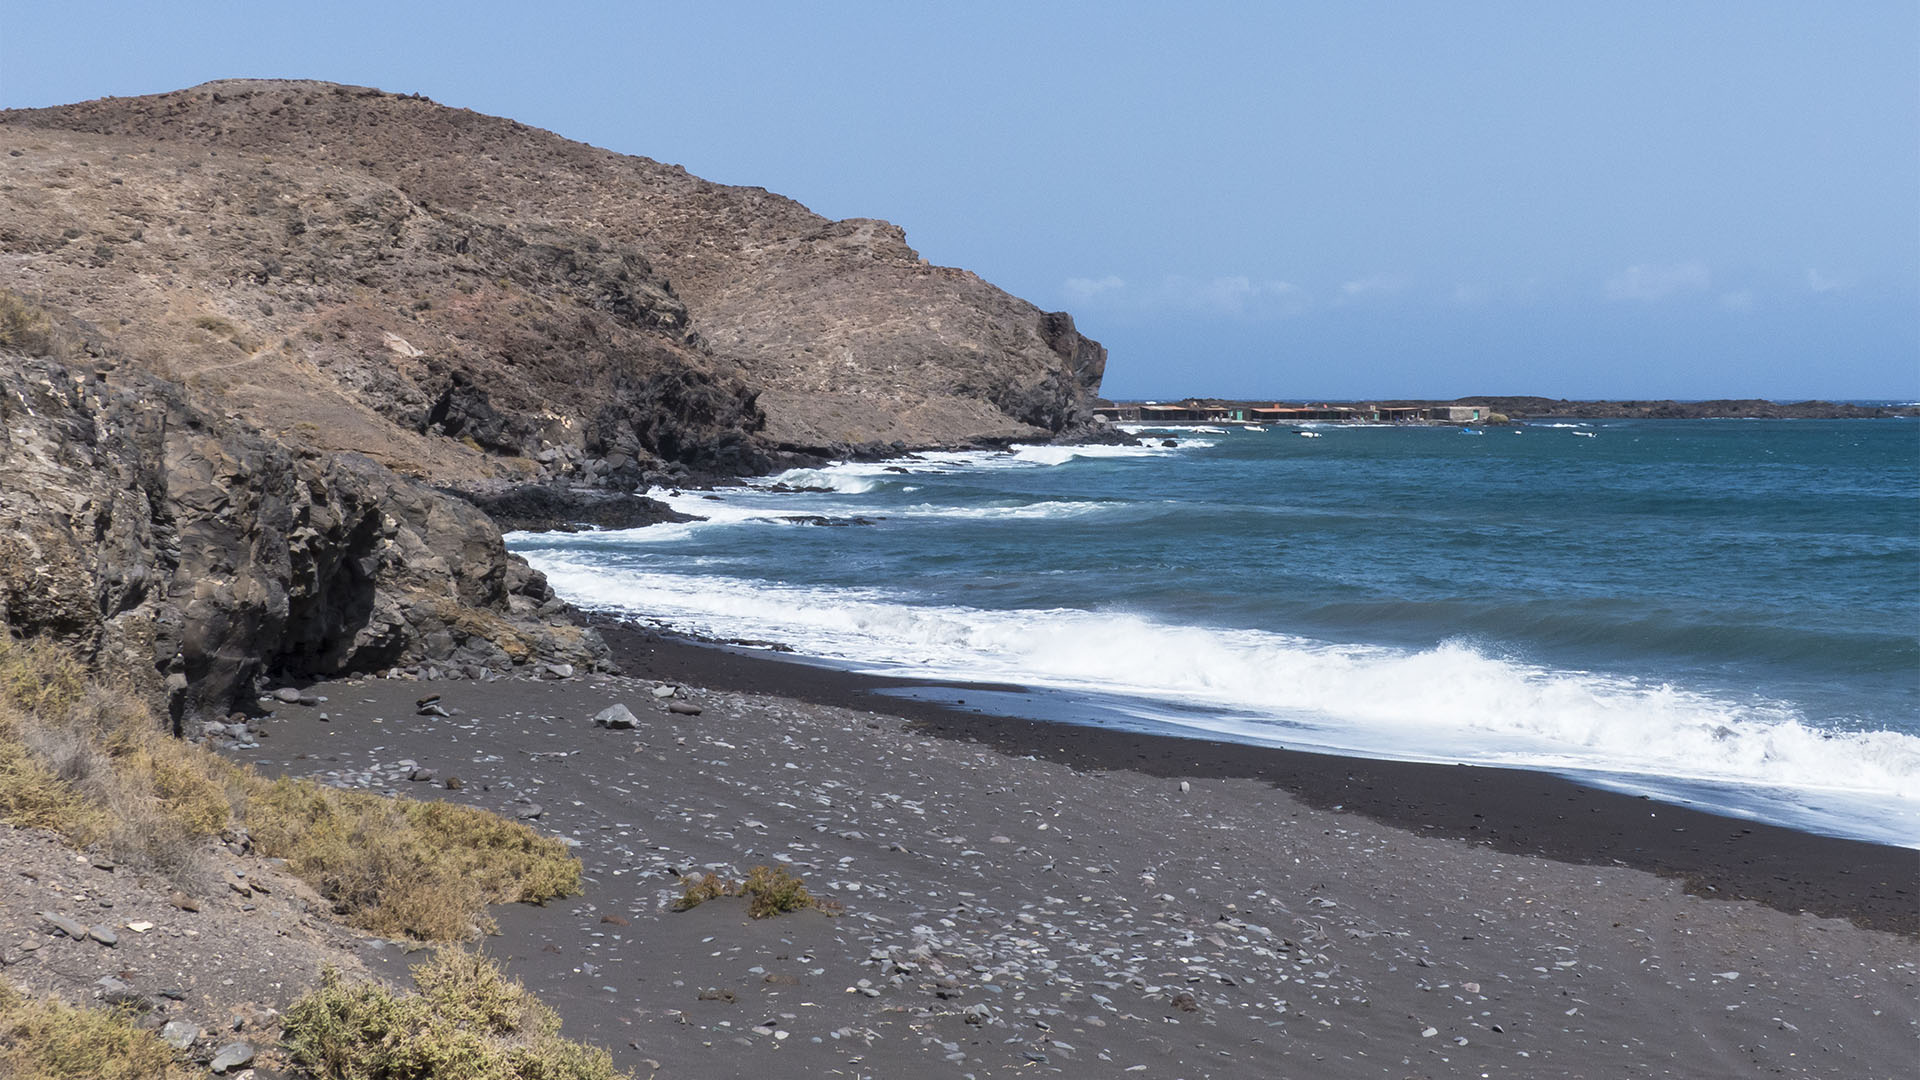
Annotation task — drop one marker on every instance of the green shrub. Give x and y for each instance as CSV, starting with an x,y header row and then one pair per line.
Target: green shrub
x,y
468,1021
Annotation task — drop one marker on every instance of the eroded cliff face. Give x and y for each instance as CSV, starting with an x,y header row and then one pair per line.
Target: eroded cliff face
x,y
465,298
195,555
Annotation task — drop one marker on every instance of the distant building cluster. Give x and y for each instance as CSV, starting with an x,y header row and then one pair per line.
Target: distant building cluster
x,y
1203,412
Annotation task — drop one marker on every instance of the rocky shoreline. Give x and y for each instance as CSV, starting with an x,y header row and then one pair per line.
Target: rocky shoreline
x,y
1054,901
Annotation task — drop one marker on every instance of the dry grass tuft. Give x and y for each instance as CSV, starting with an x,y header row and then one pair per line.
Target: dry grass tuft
x,y
399,867
50,1040
468,1020
89,760
26,327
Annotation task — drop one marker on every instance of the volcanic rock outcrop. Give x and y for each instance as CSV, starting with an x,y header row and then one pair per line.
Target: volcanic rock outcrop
x,y
195,555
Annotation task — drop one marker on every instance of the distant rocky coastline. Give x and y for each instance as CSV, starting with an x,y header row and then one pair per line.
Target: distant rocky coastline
x,y
1476,409
1539,408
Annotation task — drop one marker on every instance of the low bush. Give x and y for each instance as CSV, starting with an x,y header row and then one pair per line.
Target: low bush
x,y
468,1021
773,891
769,891
50,1040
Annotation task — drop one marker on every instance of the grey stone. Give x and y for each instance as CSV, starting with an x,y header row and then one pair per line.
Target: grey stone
x,y
179,1034
104,935
616,717
287,694
683,708
234,1055
72,928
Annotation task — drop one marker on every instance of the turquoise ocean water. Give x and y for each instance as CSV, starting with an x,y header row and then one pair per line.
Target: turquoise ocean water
x,y
1725,613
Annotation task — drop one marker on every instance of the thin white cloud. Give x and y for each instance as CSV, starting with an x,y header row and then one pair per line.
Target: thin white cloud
x,y
1467,295
1381,284
1228,294
1823,283
1657,282
1739,300
1234,293
1087,288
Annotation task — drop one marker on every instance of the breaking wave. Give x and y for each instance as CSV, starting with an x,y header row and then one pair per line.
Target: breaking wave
x,y
1449,703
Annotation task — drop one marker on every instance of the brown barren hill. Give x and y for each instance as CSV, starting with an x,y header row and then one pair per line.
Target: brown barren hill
x,y
414,270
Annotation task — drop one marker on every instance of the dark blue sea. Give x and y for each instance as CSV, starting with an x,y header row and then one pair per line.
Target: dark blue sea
x,y
1723,613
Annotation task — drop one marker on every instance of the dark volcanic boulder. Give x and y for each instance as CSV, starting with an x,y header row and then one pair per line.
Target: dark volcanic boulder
x,y
553,508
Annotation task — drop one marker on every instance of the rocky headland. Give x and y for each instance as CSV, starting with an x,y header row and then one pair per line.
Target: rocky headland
x,y
268,344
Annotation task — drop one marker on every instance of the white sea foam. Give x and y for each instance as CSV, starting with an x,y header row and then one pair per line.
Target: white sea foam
x,y
860,477
1448,703
1060,455
852,479
1022,512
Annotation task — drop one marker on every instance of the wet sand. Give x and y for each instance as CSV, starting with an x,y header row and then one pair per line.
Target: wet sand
x,y
1033,899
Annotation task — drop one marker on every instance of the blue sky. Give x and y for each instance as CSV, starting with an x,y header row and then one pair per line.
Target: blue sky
x,y
1293,200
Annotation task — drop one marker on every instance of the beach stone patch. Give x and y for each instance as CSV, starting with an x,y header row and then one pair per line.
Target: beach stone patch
x,y
1007,914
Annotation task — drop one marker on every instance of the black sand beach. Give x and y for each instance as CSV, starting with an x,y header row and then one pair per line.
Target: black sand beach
x,y
1512,810
1035,899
